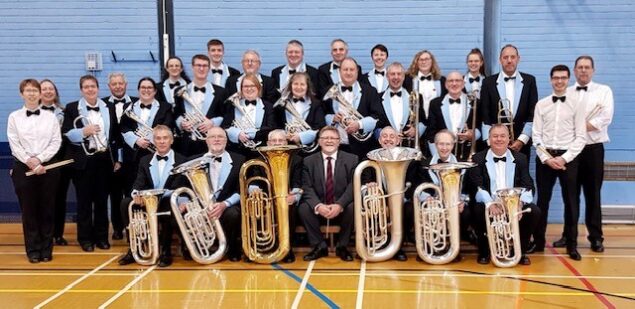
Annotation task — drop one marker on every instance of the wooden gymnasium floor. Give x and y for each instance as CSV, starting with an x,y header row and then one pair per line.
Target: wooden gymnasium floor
x,y
75,279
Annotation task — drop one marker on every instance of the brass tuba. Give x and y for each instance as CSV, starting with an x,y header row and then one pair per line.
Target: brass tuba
x,y
298,124
99,145
372,204
503,230
505,116
143,227
437,230
265,215
196,118
143,130
350,113
198,229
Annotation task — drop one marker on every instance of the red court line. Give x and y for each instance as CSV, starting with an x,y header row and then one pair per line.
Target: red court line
x,y
584,281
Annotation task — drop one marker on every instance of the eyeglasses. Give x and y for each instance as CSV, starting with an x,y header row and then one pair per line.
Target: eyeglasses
x,y
329,138
248,86
146,88
250,61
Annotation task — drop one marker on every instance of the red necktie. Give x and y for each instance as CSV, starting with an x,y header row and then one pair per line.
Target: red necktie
x,y
329,182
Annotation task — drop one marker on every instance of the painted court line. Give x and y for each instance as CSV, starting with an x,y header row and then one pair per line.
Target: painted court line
x,y
298,296
74,283
370,273
127,287
360,286
309,287
65,253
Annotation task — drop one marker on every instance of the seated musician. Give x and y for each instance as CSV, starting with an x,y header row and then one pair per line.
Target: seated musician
x,y
501,168
327,181
154,173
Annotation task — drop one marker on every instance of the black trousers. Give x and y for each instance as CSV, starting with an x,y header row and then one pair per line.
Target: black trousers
x,y
590,178
312,223
61,193
36,196
117,193
545,181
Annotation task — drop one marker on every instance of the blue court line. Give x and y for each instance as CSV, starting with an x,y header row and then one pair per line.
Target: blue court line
x,y
311,288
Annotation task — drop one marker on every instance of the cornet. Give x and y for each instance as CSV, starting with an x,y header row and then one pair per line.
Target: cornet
x,y
298,124
505,116
350,114
143,130
143,227
195,118
503,231
92,140
244,123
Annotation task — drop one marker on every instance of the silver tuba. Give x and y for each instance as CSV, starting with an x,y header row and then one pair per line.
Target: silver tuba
x,y
244,123
143,130
503,232
350,114
100,146
196,118
437,230
372,205
298,124
198,229
143,227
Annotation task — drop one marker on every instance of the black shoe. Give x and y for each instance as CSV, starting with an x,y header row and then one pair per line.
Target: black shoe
x,y
290,258
343,253
533,247
117,235
104,245
316,253
482,259
574,254
126,259
560,243
458,258
165,260
400,256
34,259
234,256
60,241
88,247
46,259
597,246
186,254
524,260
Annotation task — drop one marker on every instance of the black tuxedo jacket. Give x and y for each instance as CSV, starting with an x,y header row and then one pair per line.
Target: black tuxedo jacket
x,y
311,71
231,185
268,123
314,181
436,122
479,178
216,109
163,116
269,87
144,178
315,118
324,78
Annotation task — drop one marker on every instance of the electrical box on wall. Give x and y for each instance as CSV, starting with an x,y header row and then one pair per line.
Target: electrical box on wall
x,y
93,61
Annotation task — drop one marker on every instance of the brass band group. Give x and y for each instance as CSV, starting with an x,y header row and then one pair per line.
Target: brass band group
x,y
234,162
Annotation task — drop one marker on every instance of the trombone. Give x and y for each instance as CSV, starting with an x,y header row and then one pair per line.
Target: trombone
x,y
505,116
413,121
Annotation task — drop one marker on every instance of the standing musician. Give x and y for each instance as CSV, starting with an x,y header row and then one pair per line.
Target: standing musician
x,y
219,71
511,87
559,133
454,113
295,64
207,99
475,72
251,65
329,73
303,100
363,99
34,138
155,173
327,181
377,77
172,77
598,99
424,77
93,143
501,168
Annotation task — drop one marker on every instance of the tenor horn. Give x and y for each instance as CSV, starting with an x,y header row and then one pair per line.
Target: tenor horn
x,y
373,207
437,230
196,117
143,130
348,111
94,140
143,227
265,214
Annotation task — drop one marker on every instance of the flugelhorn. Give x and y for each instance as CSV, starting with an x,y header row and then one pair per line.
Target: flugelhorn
x,y
349,113
93,140
503,232
437,229
265,214
196,118
143,227
143,130
199,231
373,207
298,124
244,123
505,116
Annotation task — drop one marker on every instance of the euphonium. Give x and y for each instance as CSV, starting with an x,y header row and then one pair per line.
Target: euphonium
x,y
143,130
413,121
298,124
99,145
265,215
350,113
198,229
244,123
372,205
143,227
503,230
505,116
437,230
196,118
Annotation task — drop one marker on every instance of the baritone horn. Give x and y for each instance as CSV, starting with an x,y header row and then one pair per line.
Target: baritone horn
x,y
97,144
374,208
505,116
503,230
244,123
143,130
437,230
143,227
265,213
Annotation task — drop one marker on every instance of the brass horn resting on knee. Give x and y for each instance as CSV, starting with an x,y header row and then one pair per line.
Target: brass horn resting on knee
x,y
437,229
374,208
144,228
199,230
265,213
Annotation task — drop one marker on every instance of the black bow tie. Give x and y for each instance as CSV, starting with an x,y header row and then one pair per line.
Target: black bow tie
x,y
146,106
201,89
117,101
504,159
298,100
96,108
349,88
555,98
217,159
215,71
252,102
48,108
380,73
335,66
476,79
35,112
292,72
508,78
585,88
164,158
457,101
172,85
422,78
439,160
398,93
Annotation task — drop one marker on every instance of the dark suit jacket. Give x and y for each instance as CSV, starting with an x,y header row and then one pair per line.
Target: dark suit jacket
x,y
163,116
144,178
311,71
324,78
269,87
216,109
314,181
231,185
479,177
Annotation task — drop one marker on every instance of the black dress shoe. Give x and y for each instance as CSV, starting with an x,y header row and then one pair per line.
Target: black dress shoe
x,y
126,259
186,254
290,258
104,245
482,259
60,241
234,257
574,254
343,253
165,260
117,235
597,246
88,247
533,247
524,260
400,256
46,259
458,258
34,259
317,253
560,243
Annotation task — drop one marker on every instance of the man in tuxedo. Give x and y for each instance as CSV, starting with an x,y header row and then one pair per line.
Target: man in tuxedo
x,y
154,173
501,168
517,92
218,71
251,64
328,194
328,73
377,77
295,63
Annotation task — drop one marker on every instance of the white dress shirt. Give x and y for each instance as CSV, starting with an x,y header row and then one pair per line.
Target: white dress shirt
x,y
501,182
597,95
33,136
95,118
326,162
510,90
427,91
456,116
396,106
217,76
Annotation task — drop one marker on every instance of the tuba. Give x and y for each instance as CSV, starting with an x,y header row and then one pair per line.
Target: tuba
x,y
100,146
505,116
198,229
143,130
350,114
143,227
437,230
243,124
298,124
196,118
503,230
265,215
372,205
